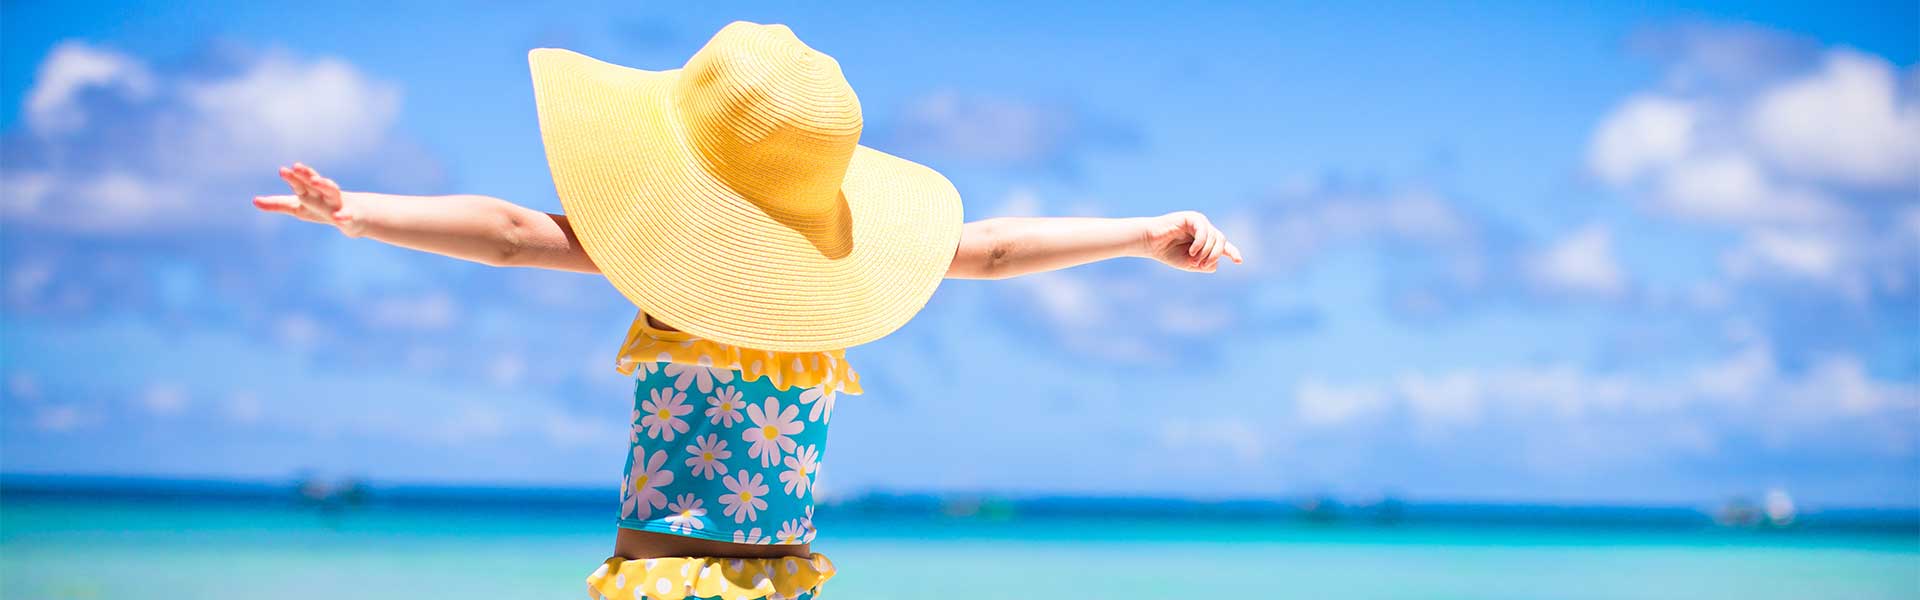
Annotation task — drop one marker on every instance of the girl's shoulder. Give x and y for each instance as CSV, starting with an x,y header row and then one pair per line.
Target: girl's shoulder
x,y
647,346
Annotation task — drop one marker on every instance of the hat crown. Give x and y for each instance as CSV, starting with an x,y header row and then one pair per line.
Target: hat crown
x,y
770,117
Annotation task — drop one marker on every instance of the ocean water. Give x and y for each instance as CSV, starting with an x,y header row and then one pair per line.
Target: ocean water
x,y
171,546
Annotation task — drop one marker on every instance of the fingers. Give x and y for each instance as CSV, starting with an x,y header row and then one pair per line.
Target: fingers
x,y
294,180
1205,239
320,194
1217,247
285,204
1196,225
314,198
329,193
1206,244
308,177
1215,240
315,182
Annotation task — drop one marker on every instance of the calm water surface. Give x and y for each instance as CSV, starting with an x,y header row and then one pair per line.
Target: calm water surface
x,y
180,548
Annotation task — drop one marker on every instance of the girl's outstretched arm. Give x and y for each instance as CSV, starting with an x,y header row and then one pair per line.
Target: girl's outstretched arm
x,y
1010,246
481,229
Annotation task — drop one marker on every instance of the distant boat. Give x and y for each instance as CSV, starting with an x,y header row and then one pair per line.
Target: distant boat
x,y
1737,512
1775,511
1389,510
1779,508
318,492
1320,509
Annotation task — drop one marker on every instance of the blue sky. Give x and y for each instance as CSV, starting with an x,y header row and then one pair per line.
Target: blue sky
x,y
1512,252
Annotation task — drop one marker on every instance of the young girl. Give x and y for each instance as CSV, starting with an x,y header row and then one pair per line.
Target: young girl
x,y
731,202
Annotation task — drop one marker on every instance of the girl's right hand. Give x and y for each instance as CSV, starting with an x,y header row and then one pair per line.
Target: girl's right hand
x,y
1186,240
314,198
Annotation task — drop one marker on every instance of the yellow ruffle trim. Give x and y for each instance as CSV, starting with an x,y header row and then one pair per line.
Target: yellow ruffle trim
x,y
679,577
646,346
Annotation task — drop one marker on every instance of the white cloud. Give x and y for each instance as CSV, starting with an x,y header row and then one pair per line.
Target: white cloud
x,y
1194,319
1303,224
244,407
1168,314
1020,202
114,146
27,278
468,424
1131,312
74,68
425,312
988,129
565,430
298,331
1319,403
22,385
1644,133
1746,388
1730,188
61,418
1846,123
164,399
1064,298
998,132
1793,253
1444,400
1805,152
1841,383
1231,437
1739,376
322,111
1703,54
1583,263
506,369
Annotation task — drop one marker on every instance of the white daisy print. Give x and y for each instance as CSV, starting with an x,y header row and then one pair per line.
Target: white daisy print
x,y
800,468
806,522
686,515
723,407
633,437
642,488
822,401
751,536
701,376
642,370
771,428
747,497
790,532
662,414
708,451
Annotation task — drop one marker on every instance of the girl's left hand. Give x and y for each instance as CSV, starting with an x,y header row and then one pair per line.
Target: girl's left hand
x,y
315,199
1186,240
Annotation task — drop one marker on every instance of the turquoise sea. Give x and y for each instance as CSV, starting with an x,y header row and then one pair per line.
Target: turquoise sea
x,y
252,542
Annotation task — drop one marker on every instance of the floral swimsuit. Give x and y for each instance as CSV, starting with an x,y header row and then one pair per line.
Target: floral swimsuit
x,y
725,445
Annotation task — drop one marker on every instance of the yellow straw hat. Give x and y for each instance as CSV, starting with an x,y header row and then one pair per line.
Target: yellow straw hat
x,y
731,198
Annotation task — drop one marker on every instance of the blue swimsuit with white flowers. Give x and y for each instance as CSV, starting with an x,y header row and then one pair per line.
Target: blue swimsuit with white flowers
x,y
714,456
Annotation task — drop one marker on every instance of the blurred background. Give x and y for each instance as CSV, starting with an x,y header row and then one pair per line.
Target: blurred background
x,y
1540,301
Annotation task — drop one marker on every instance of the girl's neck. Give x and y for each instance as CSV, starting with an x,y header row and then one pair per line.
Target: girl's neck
x,y
656,324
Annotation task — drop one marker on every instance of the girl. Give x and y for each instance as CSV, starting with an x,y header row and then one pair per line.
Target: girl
x,y
731,202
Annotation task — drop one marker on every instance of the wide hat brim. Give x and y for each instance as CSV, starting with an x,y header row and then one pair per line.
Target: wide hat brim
x,y
698,255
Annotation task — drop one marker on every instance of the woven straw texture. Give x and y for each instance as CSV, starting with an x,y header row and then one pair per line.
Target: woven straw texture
x,y
731,199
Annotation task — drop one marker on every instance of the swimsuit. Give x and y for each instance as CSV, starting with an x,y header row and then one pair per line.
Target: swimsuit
x,y
725,445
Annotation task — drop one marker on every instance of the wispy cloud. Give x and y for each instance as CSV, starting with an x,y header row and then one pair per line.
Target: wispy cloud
x,y
1745,395
111,144
1583,262
951,128
1812,154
